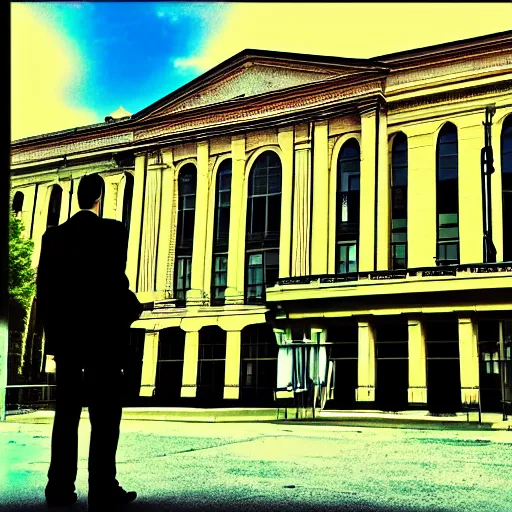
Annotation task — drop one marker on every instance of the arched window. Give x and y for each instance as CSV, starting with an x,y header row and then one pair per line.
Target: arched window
x,y
187,180
347,207
54,207
263,225
17,203
221,231
506,186
127,200
399,202
447,196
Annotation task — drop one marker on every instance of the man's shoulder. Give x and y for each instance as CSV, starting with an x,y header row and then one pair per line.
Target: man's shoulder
x,y
114,226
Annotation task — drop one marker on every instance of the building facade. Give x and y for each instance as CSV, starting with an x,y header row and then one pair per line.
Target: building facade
x,y
284,197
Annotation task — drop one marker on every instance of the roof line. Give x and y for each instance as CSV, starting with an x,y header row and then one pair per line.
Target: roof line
x,y
447,45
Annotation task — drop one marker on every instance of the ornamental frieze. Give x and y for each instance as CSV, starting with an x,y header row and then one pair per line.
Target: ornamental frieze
x,y
258,111
48,152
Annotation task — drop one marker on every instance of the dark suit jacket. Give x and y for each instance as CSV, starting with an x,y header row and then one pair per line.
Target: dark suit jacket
x,y
82,288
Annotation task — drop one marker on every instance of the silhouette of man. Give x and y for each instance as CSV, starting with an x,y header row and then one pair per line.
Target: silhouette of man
x,y
86,309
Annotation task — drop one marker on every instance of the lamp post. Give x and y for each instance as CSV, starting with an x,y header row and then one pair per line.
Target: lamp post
x,y
486,163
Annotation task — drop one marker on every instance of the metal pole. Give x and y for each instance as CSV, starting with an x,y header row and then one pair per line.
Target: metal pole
x,y
486,163
4,280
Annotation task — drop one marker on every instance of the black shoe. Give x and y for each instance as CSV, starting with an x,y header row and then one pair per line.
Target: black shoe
x,y
60,499
98,500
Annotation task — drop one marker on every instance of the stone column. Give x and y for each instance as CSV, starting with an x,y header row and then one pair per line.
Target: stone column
x,y
470,141
468,356
384,196
132,265
367,192
320,213
190,361
167,215
150,228
236,250
285,139
64,204
28,207
74,198
113,201
149,364
421,192
232,372
417,391
365,363
40,219
195,295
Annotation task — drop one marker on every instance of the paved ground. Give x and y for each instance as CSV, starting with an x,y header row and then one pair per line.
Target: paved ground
x,y
278,467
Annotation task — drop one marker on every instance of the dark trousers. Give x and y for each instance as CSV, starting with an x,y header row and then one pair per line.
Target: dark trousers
x,y
99,384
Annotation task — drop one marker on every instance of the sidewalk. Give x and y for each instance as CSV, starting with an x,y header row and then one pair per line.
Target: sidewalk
x,y
404,419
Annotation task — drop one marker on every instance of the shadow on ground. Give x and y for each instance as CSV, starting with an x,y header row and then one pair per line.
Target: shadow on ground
x,y
161,505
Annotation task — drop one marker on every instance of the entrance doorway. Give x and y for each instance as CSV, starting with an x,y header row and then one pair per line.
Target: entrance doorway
x,y
392,365
169,370
211,366
443,366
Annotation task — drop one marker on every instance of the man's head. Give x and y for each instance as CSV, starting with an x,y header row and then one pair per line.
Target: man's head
x,y
89,192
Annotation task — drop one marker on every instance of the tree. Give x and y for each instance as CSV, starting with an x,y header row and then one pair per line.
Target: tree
x,y
21,273
21,288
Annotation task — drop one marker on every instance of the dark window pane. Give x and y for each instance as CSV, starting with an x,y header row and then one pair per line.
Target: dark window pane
x,y
274,213
259,214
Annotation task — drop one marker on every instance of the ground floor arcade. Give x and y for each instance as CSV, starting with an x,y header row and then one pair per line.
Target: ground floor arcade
x,y
438,362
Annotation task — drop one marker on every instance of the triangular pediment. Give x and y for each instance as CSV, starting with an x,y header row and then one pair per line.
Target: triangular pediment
x,y
247,75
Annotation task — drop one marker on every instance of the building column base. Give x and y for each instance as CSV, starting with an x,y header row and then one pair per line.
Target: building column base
x,y
195,297
233,297
417,395
365,394
147,390
470,395
231,392
188,391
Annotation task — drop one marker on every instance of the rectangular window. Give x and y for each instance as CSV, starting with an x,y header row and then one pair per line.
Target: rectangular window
x,y
262,270
220,276
347,257
183,269
448,239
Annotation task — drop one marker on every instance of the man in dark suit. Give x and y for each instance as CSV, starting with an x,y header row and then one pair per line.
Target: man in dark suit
x,y
86,309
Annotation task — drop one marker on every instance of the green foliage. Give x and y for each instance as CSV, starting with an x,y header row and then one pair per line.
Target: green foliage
x,y
21,274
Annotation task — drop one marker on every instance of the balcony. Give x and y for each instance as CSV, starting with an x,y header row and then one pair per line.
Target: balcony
x,y
451,278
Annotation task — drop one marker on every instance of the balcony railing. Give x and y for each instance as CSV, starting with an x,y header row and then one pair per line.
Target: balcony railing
x,y
438,271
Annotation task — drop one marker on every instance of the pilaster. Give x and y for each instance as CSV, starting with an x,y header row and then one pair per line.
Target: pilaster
x,y
28,207
64,205
167,215
470,141
384,196
150,228
195,296
40,218
232,372
190,359
367,192
365,363
421,190
468,357
74,198
417,392
112,200
132,264
496,192
285,139
236,250
149,364
320,213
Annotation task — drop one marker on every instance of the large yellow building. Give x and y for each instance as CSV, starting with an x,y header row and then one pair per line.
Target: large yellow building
x,y
284,197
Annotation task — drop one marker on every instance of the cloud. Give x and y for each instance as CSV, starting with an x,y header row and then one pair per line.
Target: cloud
x,y
46,72
359,30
